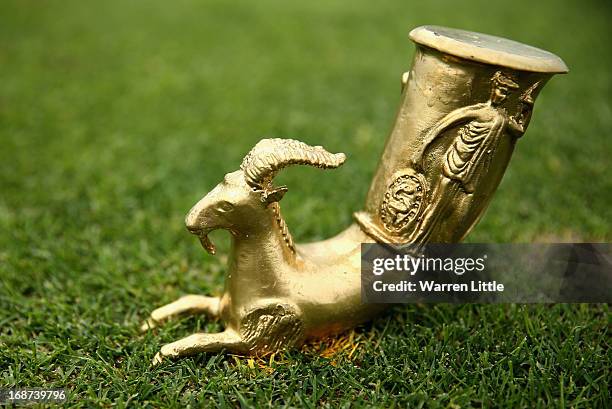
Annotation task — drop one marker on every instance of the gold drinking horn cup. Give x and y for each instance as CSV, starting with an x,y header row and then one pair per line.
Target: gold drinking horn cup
x,y
465,102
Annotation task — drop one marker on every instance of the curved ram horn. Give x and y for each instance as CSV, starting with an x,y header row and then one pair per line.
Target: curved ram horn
x,y
269,156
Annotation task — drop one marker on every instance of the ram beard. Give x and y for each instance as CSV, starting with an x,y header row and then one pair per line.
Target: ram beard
x,y
202,234
206,243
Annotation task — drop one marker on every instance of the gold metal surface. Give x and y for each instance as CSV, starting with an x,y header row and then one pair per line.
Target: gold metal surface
x,y
465,102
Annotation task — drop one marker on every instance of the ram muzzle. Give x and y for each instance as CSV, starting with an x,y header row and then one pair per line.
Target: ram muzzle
x,y
199,222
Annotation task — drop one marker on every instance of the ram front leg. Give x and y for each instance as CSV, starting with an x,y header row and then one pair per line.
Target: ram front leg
x,y
227,340
186,305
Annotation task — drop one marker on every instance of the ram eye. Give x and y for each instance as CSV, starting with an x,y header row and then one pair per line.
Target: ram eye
x,y
225,207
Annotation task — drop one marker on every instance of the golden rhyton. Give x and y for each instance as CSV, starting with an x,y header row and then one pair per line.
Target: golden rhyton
x,y
466,100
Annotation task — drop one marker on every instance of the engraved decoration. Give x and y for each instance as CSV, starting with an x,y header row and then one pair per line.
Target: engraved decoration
x,y
467,160
403,202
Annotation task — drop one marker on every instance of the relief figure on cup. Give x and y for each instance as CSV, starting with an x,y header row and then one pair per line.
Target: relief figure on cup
x,y
468,157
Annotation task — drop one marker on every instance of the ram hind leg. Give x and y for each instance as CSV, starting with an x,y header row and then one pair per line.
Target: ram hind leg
x,y
186,305
272,327
227,340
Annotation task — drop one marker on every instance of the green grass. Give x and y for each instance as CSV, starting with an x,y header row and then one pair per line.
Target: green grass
x,y
116,116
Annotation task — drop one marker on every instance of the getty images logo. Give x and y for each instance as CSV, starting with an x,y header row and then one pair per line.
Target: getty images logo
x,y
411,264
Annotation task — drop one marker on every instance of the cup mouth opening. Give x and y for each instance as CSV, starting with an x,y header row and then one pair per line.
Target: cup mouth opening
x,y
488,49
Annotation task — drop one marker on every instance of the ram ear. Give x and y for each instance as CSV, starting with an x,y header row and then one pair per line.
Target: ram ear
x,y
274,195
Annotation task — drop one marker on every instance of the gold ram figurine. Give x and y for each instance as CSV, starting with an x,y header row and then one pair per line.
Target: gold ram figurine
x,y
465,102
